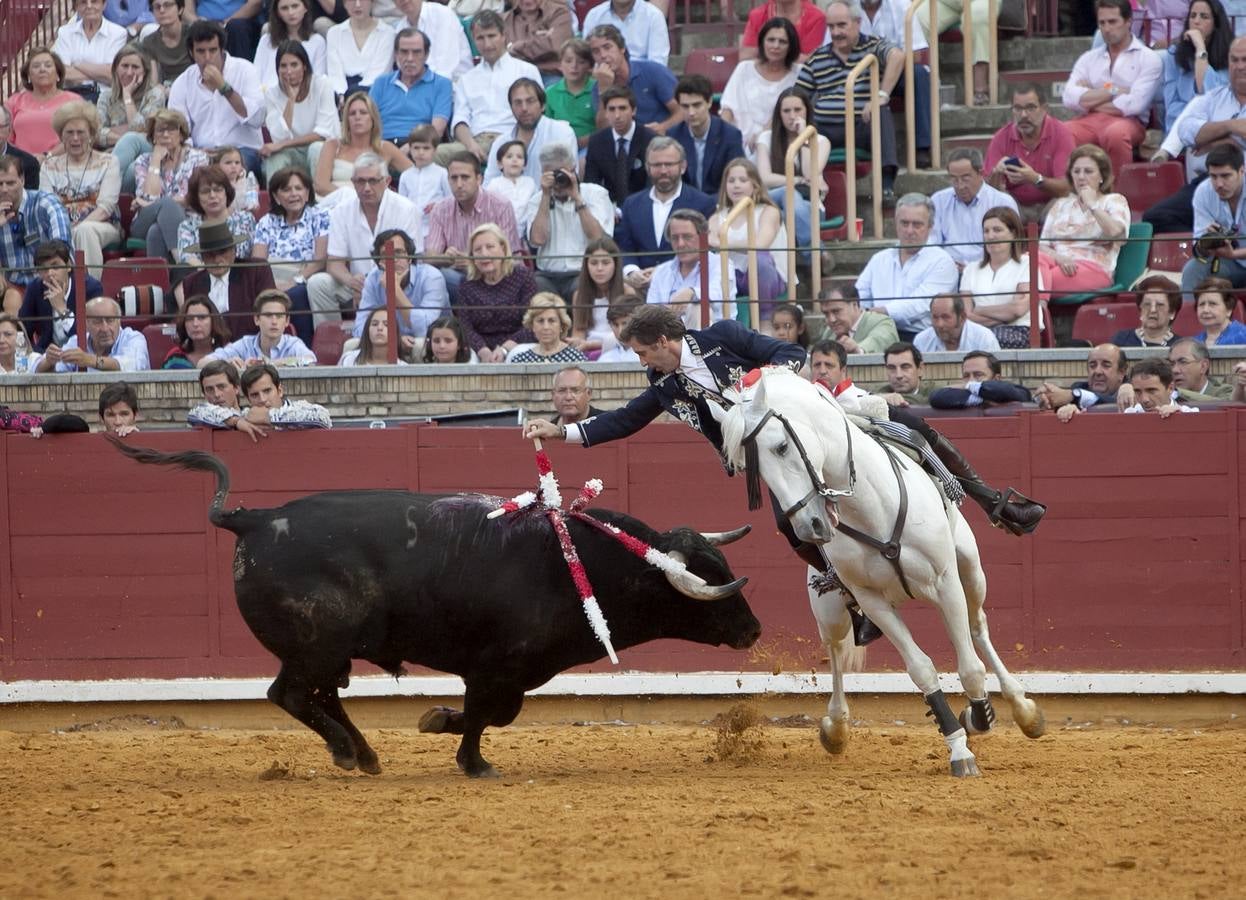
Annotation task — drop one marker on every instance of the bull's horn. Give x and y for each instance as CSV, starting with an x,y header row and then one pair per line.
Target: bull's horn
x,y
694,586
718,538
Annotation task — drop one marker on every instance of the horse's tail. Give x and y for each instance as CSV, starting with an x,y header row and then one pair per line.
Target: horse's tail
x,y
196,460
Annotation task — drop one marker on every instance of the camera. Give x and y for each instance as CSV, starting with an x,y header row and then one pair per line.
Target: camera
x,y
562,179
1212,241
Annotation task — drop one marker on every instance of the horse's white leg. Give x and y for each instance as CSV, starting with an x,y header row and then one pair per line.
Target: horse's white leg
x,y
835,630
1025,712
952,604
924,675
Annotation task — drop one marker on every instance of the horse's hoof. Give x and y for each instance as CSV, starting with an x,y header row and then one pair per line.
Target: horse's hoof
x,y
833,733
434,721
370,766
972,723
1032,722
965,768
487,772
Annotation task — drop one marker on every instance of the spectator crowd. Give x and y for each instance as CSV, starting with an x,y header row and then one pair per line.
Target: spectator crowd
x,y
525,180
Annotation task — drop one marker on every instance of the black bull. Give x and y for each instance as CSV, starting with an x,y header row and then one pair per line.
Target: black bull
x,y
393,577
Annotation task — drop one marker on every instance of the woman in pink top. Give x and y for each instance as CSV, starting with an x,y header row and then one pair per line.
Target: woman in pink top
x,y
810,24
1083,231
32,109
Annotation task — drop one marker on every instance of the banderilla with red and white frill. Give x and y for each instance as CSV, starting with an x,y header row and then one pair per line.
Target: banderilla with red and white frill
x,y
548,501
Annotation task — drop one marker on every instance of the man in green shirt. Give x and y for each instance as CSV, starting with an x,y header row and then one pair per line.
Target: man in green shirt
x,y
571,100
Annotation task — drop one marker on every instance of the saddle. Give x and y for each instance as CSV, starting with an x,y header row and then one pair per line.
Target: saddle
x,y
915,448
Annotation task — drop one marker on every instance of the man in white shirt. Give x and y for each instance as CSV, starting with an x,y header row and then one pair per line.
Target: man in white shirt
x,y
270,344
901,280
353,227
220,96
564,216
643,25
110,348
88,60
481,102
533,128
950,329
1112,87
449,54
958,210
677,282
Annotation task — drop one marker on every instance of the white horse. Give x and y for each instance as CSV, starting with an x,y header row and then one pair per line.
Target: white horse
x,y
828,476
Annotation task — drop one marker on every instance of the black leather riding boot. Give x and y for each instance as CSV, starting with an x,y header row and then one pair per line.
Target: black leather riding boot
x,y
863,630
1007,509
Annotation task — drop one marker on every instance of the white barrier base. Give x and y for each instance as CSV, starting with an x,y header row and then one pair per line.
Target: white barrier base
x,y
625,684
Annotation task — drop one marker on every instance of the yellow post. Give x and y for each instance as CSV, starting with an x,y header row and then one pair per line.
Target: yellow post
x,y
992,16
966,47
743,207
807,134
936,127
850,146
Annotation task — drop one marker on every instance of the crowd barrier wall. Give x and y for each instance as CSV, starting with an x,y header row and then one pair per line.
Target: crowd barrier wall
x,y
111,570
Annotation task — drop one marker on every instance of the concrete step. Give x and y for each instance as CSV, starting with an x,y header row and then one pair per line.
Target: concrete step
x,y
962,120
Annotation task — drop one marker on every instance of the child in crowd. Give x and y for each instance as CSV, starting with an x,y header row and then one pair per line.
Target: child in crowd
x,y
618,315
425,182
270,344
571,99
119,408
246,188
444,342
787,323
513,185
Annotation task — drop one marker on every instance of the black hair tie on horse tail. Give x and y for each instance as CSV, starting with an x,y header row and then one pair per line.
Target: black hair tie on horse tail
x,y
752,475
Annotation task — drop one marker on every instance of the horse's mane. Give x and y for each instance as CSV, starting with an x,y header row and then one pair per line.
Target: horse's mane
x,y
768,390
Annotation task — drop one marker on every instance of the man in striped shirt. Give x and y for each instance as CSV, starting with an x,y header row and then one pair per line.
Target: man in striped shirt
x,y
825,73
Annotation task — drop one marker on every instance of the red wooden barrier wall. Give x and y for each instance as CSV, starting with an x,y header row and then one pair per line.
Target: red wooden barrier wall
x,y
109,569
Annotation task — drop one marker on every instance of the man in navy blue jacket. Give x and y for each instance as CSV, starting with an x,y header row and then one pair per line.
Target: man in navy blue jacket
x,y
641,232
708,141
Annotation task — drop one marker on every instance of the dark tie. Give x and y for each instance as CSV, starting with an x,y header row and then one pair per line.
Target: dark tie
x,y
622,169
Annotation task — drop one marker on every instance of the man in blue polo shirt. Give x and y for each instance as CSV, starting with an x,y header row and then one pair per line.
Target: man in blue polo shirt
x,y
414,94
653,85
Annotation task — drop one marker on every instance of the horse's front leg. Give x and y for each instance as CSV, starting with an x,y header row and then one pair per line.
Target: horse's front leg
x,y
835,629
924,675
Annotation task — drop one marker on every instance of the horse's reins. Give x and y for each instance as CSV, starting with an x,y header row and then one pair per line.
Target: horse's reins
x,y
889,549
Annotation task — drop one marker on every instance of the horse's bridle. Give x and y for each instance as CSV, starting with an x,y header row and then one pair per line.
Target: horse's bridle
x,y
890,549
820,487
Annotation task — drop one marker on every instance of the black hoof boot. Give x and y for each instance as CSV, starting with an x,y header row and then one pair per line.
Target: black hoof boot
x,y
863,630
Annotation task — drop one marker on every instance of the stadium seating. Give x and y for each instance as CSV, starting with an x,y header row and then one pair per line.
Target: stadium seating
x,y
1098,322
1145,184
328,341
715,63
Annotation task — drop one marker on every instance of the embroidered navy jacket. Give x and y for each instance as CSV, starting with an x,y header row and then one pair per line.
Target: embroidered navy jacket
x,y
728,350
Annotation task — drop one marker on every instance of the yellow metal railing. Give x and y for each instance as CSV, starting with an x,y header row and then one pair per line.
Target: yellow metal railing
x,y
809,133
966,27
743,207
850,148
910,93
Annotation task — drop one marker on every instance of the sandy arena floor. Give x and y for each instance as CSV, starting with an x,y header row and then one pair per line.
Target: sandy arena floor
x,y
133,810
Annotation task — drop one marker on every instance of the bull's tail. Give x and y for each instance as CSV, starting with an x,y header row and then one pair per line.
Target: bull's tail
x,y
196,460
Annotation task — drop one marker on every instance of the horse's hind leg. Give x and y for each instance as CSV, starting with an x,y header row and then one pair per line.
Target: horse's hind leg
x,y
1025,712
835,630
925,676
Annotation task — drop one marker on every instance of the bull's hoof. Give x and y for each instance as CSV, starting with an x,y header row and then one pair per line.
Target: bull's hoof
x,y
1031,721
965,768
436,719
344,761
370,765
833,734
485,771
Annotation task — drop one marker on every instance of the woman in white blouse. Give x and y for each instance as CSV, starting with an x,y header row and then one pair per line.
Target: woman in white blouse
x,y
1000,281
290,20
359,49
300,111
754,87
